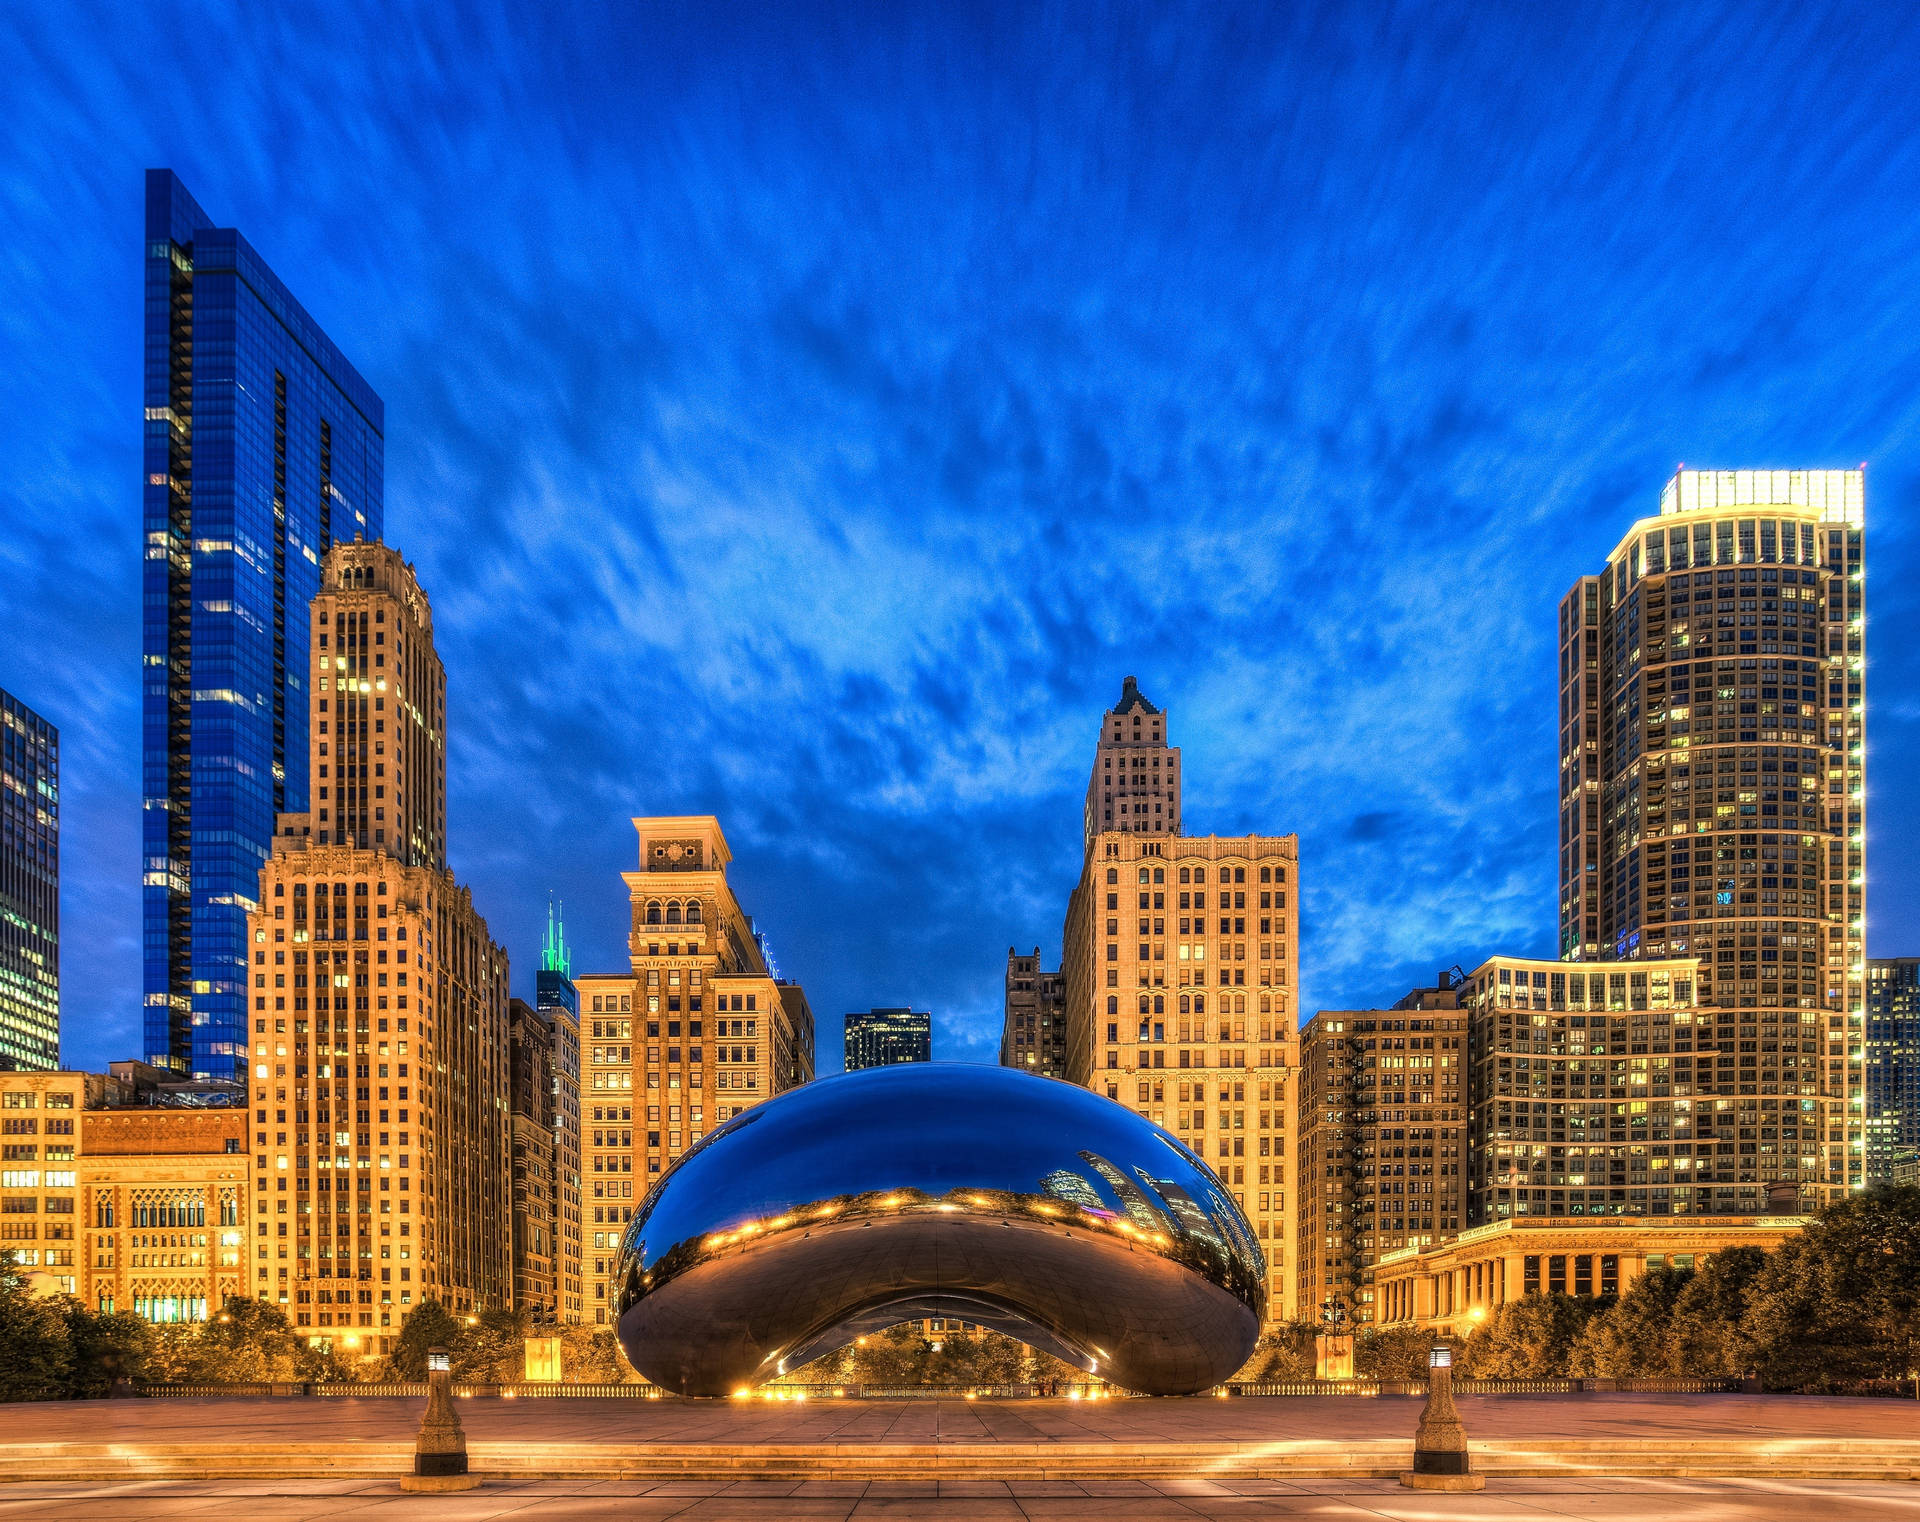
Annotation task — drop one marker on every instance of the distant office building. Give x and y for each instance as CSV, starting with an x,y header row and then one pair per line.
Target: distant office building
x,y
1033,1033
1178,956
29,888
878,1038
1712,802
531,1134
1893,1067
696,1030
559,1005
372,968
1382,1141
263,449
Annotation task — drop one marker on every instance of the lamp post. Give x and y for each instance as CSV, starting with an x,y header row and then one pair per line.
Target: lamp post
x,y
440,1452
1440,1458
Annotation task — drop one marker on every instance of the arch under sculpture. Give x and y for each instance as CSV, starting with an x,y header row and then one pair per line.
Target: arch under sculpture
x,y
1025,1204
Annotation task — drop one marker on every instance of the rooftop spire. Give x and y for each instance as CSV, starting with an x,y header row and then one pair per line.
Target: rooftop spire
x,y
553,950
1130,698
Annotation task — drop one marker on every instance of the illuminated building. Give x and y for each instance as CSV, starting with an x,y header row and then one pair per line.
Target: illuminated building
x,y
39,1173
1452,1286
379,1081
876,1038
699,1028
1179,958
29,888
530,1141
559,1005
1893,1066
1033,1035
1382,1141
1712,788
263,447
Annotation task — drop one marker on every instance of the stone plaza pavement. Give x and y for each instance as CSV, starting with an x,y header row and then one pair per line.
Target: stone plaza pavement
x,y
1192,1500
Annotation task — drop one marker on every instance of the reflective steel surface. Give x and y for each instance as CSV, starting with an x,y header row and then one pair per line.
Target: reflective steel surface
x,y
1025,1204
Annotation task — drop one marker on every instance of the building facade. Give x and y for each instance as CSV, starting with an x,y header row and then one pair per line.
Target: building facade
x,y
877,1038
1382,1142
1893,1067
558,1002
530,1140
1712,788
39,1175
263,447
379,1083
1179,961
1033,1034
697,1029
1452,1286
29,888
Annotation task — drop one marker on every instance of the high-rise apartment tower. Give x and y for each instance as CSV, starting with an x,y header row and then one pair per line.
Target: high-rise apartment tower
x,y
1893,1066
878,1038
263,447
29,889
1712,788
1178,955
379,1081
559,1005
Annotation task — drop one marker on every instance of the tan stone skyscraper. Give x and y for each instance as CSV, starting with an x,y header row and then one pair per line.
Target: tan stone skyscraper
x,y
697,1029
1712,755
378,1065
1179,958
1033,1031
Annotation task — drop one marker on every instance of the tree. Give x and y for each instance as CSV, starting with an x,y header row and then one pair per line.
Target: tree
x,y
428,1325
248,1340
589,1355
1396,1352
1531,1338
1708,1336
36,1354
1839,1302
1282,1353
106,1346
1629,1337
491,1348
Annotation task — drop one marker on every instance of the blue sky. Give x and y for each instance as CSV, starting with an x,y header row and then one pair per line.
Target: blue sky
x,y
808,418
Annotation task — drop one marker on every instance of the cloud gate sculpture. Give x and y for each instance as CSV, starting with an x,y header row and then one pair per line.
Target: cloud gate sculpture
x,y
1028,1205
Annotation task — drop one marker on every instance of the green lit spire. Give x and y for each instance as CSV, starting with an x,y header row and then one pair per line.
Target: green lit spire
x,y
553,951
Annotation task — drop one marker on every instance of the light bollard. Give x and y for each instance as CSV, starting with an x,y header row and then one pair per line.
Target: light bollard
x,y
1440,1458
440,1452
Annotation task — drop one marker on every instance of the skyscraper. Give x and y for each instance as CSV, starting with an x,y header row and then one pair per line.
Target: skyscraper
x,y
559,1005
1178,955
530,1122
29,888
1893,1066
373,972
696,1030
263,447
877,1038
1712,754
1033,1032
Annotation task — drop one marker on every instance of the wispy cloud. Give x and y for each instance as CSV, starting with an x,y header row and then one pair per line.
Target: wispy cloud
x,y
808,418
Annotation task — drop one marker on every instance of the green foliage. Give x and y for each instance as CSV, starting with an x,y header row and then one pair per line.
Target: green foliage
x,y
1630,1336
903,1355
36,1350
246,1341
1396,1352
1531,1338
1708,1335
428,1325
1282,1353
491,1349
106,1347
589,1355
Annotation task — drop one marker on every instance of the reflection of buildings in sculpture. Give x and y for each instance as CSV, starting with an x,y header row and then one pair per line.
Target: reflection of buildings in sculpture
x,y
1382,1140
696,1030
1178,963
1033,1032
1712,801
379,1057
1453,1285
858,1224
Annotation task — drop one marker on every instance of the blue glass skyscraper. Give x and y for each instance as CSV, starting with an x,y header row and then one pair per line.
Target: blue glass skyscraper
x,y
263,446
29,889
